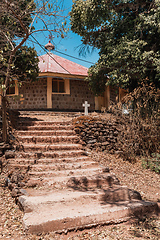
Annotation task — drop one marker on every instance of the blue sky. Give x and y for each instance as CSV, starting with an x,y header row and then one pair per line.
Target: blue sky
x,y
67,45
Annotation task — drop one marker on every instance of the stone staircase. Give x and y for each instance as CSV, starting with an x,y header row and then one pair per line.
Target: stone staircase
x,y
69,190
50,149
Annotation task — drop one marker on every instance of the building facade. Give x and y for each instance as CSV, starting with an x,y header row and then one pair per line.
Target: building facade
x,y
61,85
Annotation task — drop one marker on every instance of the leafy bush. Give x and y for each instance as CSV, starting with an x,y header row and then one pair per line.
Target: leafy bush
x,y
141,134
152,162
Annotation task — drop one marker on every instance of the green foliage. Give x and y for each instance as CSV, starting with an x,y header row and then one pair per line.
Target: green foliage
x,y
127,34
19,19
17,24
152,162
99,79
8,21
26,64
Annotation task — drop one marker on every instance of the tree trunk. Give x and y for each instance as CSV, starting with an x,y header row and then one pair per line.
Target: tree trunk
x,y
4,120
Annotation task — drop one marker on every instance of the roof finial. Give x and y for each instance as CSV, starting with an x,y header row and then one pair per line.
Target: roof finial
x,y
49,46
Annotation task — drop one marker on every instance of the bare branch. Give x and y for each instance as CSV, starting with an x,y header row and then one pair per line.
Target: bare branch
x,y
10,42
18,17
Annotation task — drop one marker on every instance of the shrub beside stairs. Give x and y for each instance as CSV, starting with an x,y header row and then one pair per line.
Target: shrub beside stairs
x,y
66,189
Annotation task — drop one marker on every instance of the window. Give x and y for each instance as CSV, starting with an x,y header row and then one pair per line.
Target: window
x,y
58,86
11,89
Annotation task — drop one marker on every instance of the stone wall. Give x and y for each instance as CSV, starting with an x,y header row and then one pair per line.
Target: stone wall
x,y
97,133
34,96
79,93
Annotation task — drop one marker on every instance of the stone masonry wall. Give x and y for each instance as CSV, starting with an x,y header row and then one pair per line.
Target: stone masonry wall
x,y
34,95
78,95
99,134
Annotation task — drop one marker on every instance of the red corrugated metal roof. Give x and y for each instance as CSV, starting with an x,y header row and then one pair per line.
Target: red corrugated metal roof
x,y
53,63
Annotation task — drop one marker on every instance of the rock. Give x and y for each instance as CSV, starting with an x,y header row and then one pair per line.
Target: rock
x,y
105,143
118,152
7,181
21,184
23,192
106,169
134,195
1,165
10,173
96,134
104,132
89,146
14,179
9,154
11,186
12,137
14,192
103,148
32,183
92,141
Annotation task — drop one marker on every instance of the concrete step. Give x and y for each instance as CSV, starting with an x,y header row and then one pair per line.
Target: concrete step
x,y
46,127
33,160
53,166
47,139
65,166
65,173
82,179
45,133
67,190
36,198
65,211
43,123
51,154
53,147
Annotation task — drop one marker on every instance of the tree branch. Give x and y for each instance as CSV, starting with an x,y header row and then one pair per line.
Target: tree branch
x,y
7,39
17,17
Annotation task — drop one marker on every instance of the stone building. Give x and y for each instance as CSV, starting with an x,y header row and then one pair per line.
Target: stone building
x,y
61,85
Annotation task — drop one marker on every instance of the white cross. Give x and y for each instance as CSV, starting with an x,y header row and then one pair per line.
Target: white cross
x,y
86,105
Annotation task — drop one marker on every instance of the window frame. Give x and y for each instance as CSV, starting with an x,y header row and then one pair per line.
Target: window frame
x,y
66,85
58,81
16,92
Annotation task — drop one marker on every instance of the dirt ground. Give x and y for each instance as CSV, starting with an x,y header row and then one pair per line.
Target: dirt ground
x,y
131,175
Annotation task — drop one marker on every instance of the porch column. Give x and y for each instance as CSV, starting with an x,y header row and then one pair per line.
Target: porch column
x,y
122,93
99,102
107,97
49,92
16,88
0,97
